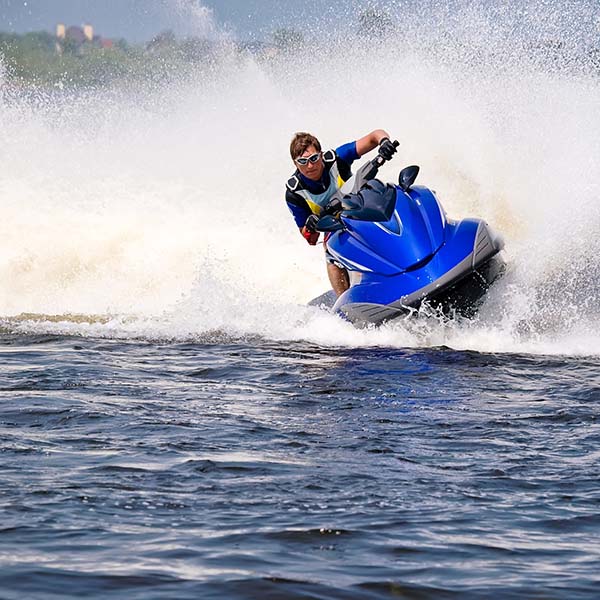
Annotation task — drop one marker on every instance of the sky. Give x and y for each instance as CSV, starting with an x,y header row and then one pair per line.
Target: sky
x,y
140,20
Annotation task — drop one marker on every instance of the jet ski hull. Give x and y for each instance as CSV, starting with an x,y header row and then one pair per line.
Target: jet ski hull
x,y
460,296
449,280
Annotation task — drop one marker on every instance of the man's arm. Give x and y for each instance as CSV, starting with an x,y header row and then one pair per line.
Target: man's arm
x,y
370,141
300,211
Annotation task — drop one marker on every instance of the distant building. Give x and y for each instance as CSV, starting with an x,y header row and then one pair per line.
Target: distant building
x,y
75,37
88,31
60,37
75,34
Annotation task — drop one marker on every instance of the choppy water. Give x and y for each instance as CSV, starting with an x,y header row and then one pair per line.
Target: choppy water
x,y
256,469
177,423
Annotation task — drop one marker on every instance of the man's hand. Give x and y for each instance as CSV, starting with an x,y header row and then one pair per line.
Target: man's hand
x,y
311,223
386,149
309,232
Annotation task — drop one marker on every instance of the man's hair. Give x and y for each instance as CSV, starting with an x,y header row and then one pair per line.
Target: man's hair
x,y
300,142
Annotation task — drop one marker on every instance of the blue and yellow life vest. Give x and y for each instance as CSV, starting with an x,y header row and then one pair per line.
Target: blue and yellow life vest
x,y
316,202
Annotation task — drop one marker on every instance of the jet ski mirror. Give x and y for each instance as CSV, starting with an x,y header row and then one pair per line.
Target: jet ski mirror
x,y
329,223
407,177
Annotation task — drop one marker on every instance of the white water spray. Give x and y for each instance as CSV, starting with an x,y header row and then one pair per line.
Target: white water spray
x,y
159,213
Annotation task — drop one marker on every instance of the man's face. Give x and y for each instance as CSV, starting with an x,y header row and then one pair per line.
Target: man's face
x,y
312,169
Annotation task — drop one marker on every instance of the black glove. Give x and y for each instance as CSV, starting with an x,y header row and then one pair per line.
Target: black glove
x,y
311,223
386,149
332,207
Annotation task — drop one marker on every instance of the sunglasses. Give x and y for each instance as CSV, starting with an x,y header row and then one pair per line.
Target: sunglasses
x,y
304,160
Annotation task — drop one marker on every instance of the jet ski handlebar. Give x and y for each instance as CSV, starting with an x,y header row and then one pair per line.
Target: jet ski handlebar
x,y
368,171
329,220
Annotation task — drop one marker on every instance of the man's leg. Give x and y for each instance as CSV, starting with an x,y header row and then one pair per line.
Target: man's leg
x,y
338,278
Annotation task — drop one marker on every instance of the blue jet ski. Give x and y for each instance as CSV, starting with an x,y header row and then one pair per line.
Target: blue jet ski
x,y
401,250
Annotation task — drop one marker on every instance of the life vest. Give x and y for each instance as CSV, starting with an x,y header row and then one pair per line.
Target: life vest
x,y
316,202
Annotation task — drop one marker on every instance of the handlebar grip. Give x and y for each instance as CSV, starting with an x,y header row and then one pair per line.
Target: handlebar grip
x,y
379,160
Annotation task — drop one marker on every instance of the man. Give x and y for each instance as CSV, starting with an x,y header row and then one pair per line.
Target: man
x,y
317,177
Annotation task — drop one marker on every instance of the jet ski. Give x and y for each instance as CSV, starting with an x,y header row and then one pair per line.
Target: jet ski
x,y
402,252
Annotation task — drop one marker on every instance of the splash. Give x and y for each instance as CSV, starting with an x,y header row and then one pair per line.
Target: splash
x,y
158,213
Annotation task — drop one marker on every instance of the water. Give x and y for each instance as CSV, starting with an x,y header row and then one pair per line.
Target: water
x,y
177,423
242,470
